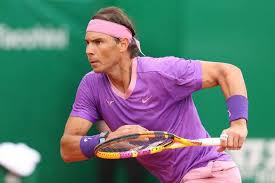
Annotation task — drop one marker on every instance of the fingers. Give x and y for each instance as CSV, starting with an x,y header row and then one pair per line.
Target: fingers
x,y
126,130
236,145
241,141
221,149
224,138
231,140
132,128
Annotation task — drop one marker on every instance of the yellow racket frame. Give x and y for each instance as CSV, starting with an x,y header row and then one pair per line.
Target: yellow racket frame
x,y
177,142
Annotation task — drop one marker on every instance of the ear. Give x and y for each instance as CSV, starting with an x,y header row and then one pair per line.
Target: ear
x,y
123,44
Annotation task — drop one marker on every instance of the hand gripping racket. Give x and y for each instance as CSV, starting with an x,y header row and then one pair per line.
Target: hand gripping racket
x,y
145,143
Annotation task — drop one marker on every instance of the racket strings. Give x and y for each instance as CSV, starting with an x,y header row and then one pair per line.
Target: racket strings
x,y
139,143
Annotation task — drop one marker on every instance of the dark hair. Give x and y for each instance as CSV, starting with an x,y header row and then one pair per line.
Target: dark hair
x,y
116,15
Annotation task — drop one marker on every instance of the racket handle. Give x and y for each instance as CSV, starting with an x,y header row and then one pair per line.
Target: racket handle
x,y
209,141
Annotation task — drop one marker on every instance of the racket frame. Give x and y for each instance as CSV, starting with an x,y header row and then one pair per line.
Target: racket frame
x,y
177,142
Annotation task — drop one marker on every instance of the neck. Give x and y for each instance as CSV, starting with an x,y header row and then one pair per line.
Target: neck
x,y
120,75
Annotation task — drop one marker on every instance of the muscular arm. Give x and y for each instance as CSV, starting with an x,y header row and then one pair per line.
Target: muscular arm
x,y
70,142
231,81
228,76
76,128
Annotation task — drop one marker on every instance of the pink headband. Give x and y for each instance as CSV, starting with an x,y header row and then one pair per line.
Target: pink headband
x,y
112,29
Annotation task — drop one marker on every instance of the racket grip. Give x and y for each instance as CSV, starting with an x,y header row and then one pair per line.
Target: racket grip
x,y
210,142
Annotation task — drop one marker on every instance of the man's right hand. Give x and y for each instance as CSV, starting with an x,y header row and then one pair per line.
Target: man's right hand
x,y
126,130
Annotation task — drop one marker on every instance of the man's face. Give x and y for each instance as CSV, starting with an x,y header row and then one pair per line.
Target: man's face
x,y
102,51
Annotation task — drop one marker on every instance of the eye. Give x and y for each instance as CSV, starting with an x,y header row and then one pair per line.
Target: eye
x,y
87,42
97,42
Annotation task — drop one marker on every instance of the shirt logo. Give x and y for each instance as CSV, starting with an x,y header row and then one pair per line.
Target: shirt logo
x,y
146,99
109,102
229,113
86,139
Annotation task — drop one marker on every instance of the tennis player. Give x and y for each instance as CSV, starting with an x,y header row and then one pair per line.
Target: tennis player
x,y
135,94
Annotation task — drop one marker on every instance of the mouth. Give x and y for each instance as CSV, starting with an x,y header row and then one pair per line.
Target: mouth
x,y
93,62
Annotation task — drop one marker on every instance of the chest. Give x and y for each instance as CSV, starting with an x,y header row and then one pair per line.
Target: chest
x,y
146,104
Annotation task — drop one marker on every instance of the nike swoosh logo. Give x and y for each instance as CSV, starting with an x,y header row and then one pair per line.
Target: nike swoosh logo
x,y
145,100
229,113
110,101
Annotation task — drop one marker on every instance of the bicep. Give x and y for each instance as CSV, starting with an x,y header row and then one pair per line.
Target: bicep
x,y
77,126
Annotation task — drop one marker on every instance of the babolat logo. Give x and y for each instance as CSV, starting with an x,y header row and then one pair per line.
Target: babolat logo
x,y
37,37
256,160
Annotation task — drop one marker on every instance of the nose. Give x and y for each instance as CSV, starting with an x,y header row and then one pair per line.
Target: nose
x,y
90,49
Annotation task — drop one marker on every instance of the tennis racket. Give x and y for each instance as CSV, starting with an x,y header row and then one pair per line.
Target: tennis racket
x,y
145,143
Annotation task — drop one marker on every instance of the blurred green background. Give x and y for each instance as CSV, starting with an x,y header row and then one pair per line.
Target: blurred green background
x,y
42,59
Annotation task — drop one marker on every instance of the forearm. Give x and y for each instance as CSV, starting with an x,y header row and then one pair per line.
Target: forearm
x,y
234,89
232,82
70,148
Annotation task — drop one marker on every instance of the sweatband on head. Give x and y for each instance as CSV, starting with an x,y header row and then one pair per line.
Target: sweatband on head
x,y
87,145
237,106
111,29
